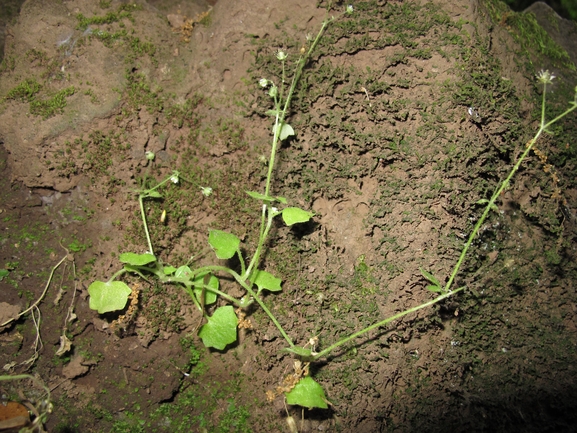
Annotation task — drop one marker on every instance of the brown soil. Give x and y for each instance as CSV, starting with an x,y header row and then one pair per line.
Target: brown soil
x,y
385,154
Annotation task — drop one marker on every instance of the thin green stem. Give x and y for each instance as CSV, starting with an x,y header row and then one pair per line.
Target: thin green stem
x,y
280,117
490,205
146,194
262,305
251,292
264,231
384,322
242,263
488,208
560,116
143,215
266,219
117,274
505,184
543,105
267,213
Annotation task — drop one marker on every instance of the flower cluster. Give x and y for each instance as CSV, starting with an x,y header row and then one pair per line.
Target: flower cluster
x,y
545,77
206,191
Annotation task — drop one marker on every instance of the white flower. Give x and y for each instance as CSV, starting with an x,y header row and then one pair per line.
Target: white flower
x,y
350,9
149,155
174,178
309,37
206,190
263,82
281,55
545,77
474,114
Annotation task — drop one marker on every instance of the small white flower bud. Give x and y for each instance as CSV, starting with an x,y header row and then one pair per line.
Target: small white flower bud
x,y
206,191
263,82
149,155
350,9
545,77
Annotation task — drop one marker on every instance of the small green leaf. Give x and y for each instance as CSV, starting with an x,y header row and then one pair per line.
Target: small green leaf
x,y
4,273
436,289
152,194
266,198
271,112
220,330
260,196
137,259
430,277
169,270
265,280
494,207
109,296
307,393
224,244
285,131
294,215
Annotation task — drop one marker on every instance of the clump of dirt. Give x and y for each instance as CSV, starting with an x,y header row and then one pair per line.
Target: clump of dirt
x,y
408,114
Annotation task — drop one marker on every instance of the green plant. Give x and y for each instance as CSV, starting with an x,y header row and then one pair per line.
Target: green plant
x,y
203,286
78,247
25,91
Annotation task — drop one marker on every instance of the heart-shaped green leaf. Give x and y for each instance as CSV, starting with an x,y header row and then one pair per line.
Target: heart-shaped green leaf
x,y
265,280
137,259
294,215
109,296
224,244
183,272
285,131
307,393
220,329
